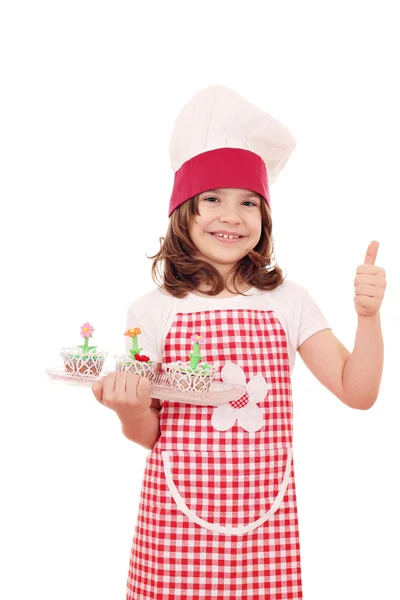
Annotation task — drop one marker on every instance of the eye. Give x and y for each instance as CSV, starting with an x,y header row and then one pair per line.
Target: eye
x,y
247,202
211,198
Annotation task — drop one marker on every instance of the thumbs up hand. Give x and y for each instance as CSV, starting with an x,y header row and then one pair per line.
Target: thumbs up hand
x,y
369,284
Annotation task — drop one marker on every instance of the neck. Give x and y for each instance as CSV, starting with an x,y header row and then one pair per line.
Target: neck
x,y
242,287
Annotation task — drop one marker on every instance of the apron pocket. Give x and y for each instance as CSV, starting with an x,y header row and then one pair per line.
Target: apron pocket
x,y
228,492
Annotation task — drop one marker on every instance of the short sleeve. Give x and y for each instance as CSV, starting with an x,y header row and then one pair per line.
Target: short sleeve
x,y
311,318
140,315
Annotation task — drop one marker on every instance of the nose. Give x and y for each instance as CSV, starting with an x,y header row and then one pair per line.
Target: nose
x,y
230,216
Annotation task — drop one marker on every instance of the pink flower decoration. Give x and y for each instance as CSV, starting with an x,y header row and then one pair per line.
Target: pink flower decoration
x,y
86,330
197,338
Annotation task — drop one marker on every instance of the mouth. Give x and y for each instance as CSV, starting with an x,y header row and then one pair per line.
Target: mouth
x,y
227,238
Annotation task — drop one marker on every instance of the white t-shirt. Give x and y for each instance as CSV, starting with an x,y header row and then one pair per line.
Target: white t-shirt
x,y
154,313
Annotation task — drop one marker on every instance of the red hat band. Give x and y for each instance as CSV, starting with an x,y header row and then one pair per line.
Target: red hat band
x,y
220,168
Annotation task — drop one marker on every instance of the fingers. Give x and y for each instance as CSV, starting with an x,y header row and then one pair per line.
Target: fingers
x,y
368,302
122,390
363,279
104,388
371,253
110,383
143,389
366,290
120,383
367,269
97,389
132,385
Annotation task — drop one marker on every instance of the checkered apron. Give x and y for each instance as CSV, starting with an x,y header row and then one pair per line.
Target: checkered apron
x,y
217,515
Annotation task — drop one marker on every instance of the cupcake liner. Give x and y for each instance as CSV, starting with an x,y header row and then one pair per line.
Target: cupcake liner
x,y
182,377
85,364
130,365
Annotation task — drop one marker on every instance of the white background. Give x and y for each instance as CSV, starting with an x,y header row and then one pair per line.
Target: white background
x,y
89,94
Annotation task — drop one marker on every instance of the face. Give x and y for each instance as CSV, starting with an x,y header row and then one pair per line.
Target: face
x,y
228,227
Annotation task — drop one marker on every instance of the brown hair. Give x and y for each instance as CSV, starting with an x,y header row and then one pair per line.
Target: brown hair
x,y
178,271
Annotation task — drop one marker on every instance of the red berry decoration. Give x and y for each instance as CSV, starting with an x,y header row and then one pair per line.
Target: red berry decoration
x,y
142,358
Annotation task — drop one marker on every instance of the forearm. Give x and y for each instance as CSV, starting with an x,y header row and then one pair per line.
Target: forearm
x,y
362,373
144,430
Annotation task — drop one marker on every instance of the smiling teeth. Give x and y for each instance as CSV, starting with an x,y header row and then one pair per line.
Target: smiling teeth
x,y
227,237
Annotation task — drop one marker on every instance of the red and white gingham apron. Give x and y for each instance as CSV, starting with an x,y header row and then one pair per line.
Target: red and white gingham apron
x,y
217,515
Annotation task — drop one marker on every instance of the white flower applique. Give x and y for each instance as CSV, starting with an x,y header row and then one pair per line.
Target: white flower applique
x,y
245,410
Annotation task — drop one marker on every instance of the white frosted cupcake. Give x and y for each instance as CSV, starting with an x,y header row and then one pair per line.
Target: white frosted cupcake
x,y
193,375
84,360
137,363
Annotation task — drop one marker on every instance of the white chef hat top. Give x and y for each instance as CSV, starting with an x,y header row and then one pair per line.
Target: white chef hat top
x,y
221,140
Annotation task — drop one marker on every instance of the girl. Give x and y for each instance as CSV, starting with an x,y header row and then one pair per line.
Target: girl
x,y
217,515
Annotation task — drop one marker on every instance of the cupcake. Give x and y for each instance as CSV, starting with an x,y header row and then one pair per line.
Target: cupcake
x,y
84,360
193,375
137,363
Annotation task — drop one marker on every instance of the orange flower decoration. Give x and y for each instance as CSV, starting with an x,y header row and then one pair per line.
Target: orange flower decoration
x,y
133,332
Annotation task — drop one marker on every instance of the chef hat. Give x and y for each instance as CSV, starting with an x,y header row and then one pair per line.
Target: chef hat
x,y
220,140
